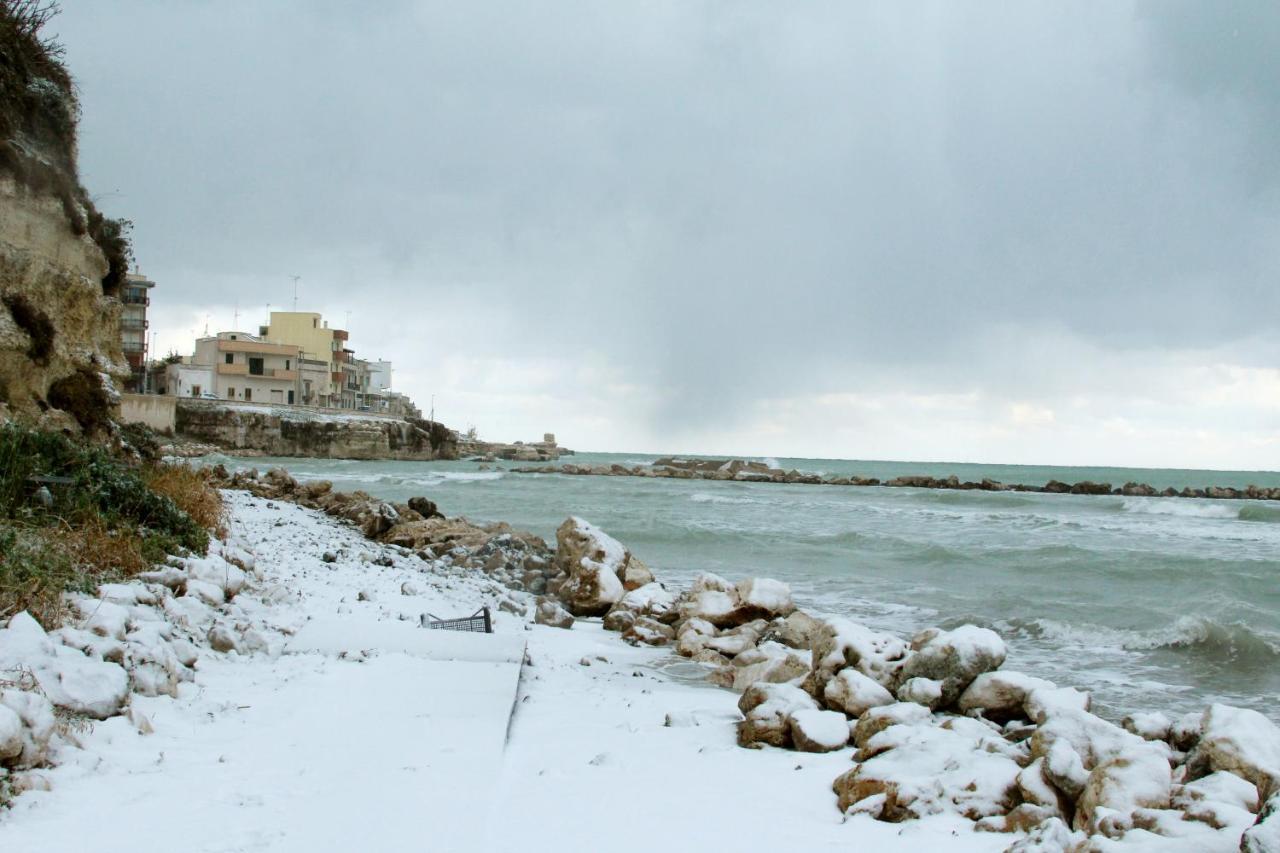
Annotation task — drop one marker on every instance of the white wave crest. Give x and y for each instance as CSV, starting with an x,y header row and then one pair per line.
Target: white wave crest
x,y
705,498
1180,507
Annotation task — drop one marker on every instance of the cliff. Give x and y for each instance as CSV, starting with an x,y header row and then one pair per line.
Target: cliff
x,y
61,261
283,431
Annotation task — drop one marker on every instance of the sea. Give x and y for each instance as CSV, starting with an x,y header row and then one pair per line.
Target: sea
x,y
1149,603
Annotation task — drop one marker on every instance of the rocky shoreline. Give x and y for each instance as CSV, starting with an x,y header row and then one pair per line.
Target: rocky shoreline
x,y
748,471
935,725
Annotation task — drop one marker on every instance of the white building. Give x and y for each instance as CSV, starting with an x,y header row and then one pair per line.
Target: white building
x,y
379,376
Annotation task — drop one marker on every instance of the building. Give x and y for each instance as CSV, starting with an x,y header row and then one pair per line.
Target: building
x,y
247,368
185,379
309,332
136,298
379,376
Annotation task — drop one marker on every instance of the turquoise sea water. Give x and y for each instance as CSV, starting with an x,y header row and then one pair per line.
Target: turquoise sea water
x,y
1151,603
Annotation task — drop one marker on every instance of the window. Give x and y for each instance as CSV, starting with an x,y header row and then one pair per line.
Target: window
x,y
230,357
255,366
231,393
195,390
290,398
248,394
286,364
314,322
233,337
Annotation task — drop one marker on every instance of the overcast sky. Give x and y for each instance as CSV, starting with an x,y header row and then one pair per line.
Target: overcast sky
x,y
1004,232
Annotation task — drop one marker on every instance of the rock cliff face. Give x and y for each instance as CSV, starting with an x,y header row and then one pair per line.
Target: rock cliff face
x,y
280,432
61,261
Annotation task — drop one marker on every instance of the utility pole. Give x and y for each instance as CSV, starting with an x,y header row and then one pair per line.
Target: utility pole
x,y
295,291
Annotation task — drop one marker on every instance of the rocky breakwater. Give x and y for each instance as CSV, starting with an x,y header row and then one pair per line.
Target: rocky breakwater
x,y
748,471
289,431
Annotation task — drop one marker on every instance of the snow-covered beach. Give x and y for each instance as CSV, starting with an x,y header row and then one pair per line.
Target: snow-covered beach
x,y
311,711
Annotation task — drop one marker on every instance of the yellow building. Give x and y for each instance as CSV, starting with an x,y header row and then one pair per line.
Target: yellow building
x,y
318,343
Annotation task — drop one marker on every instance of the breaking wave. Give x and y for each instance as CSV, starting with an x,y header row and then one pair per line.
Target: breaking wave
x,y
1182,507
706,498
1233,643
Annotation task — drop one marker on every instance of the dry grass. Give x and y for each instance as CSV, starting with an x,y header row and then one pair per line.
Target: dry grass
x,y
191,490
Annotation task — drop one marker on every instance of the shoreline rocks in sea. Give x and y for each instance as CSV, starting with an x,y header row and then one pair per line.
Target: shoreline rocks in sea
x,y
749,471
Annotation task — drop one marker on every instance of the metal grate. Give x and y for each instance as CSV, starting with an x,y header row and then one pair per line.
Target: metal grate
x,y
480,622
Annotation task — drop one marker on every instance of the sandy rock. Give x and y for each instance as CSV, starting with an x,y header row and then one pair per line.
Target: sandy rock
x,y
549,612
763,598
648,631
652,599
920,770
1240,741
854,694
1264,836
717,660
635,574
1138,779
841,643
768,709
955,658
1152,726
875,720
692,635
36,714
1000,696
620,620
797,630
68,677
1185,732
710,605
819,731
774,668
593,562
222,639
922,691
11,742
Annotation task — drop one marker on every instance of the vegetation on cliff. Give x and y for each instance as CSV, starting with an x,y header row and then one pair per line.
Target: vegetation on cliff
x,y
38,115
73,516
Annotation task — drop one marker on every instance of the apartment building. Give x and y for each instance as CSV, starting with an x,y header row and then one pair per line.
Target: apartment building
x,y
136,298
250,369
310,333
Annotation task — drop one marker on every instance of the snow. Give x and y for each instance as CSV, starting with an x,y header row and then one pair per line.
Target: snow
x,y
355,728
819,731
766,594
66,675
854,693
1242,741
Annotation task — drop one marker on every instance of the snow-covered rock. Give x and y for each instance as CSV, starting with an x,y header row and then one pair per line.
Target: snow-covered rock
x,y
819,731
649,631
35,712
797,630
922,691
1240,741
652,599
101,617
1148,726
918,770
768,709
954,658
70,679
1001,695
854,694
1264,836
769,662
592,561
1118,786
549,612
10,734
875,720
213,569
764,598
842,643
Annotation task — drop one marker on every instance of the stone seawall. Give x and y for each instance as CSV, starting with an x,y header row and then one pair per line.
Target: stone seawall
x,y
281,431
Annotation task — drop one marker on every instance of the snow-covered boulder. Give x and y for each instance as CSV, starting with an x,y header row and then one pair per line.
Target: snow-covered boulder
x,y
1219,800
10,734
842,643
652,599
763,598
854,694
593,562
922,691
797,630
35,713
692,636
710,605
768,709
1240,741
648,631
919,770
1043,702
819,731
70,679
213,569
1073,742
769,662
550,613
1000,696
1139,779
1264,836
875,720
101,617
954,658
1148,726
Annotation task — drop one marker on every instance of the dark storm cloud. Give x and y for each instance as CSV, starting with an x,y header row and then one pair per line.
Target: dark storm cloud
x,y
718,200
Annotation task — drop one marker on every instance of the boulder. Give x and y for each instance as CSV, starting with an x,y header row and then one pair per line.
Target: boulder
x,y
768,709
853,693
1240,741
818,731
1264,836
875,720
1139,779
550,613
651,599
797,630
842,643
35,713
1000,696
425,507
69,678
770,663
922,691
11,741
648,631
954,658
594,564
763,598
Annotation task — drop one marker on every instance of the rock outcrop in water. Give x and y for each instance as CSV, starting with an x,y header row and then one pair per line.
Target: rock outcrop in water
x,y
744,471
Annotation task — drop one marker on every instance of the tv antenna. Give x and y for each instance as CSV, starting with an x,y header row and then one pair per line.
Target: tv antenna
x,y
295,291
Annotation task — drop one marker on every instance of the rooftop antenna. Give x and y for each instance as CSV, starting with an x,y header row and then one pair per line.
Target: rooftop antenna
x,y
295,291
206,325
432,416
235,324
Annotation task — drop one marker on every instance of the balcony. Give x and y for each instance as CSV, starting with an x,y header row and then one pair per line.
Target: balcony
x,y
134,325
278,373
129,299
